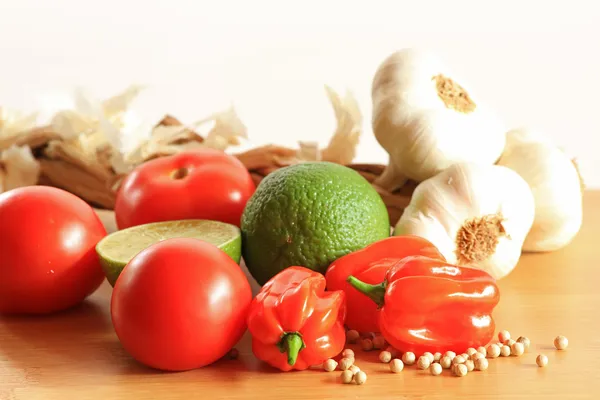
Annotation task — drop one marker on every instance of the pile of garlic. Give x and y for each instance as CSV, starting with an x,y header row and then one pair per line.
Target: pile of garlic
x,y
18,166
485,193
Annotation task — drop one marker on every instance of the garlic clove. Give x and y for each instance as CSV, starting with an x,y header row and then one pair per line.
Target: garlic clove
x,y
427,119
557,189
518,136
419,223
476,215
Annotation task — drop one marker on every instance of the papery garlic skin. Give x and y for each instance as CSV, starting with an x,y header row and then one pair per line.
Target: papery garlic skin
x,y
18,168
556,186
458,201
427,120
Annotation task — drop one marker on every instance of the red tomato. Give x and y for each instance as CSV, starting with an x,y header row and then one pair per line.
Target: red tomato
x,y
202,184
180,304
47,258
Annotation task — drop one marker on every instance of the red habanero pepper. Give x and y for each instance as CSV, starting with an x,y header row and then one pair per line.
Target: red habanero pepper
x,y
370,265
429,305
294,322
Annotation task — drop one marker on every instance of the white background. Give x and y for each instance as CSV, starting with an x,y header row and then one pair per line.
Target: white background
x,y
537,62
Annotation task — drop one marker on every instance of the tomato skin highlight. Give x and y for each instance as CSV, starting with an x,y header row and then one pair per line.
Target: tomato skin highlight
x,y
180,304
48,261
199,184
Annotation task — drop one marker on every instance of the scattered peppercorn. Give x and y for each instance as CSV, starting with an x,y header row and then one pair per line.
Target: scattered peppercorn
x,y
385,356
352,336
482,350
446,362
360,377
561,342
435,369
423,362
429,356
526,342
503,336
392,351
461,365
348,353
408,358
396,365
481,364
346,363
347,376
450,354
493,351
470,365
330,365
379,342
460,370
458,360
517,349
541,360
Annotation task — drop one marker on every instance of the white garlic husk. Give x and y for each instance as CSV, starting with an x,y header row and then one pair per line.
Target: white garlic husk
x,y
427,119
556,185
477,215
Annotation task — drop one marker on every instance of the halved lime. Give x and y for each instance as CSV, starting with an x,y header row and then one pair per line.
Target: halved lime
x,y
118,248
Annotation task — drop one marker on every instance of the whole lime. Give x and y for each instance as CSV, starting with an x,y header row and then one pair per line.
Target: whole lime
x,y
309,214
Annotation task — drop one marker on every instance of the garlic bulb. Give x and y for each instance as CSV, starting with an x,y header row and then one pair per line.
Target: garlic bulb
x,y
556,186
426,120
475,214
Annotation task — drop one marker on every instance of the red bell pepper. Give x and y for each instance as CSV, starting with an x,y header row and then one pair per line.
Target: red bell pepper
x,y
294,322
370,265
429,305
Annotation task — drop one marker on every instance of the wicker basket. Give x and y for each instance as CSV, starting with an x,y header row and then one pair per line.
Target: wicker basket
x,y
96,182
53,173
395,202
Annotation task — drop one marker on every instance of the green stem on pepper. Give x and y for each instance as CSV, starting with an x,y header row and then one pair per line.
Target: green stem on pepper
x,y
291,343
374,292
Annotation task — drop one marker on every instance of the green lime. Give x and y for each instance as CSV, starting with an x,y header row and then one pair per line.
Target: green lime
x,y
309,214
118,248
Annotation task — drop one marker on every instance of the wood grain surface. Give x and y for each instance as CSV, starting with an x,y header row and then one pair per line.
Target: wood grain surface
x,y
76,355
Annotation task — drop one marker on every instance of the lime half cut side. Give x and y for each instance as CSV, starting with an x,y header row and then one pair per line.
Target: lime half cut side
x,y
118,248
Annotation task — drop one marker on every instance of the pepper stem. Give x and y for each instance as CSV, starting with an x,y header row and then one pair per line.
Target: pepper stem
x,y
374,292
291,343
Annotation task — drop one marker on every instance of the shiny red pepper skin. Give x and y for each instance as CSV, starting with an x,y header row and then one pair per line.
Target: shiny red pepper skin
x,y
370,266
430,305
294,322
